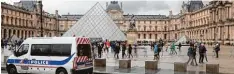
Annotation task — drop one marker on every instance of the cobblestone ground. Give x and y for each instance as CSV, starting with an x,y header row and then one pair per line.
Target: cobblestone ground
x,y
166,61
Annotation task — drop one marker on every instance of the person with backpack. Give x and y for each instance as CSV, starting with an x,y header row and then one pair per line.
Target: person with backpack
x,y
190,54
202,51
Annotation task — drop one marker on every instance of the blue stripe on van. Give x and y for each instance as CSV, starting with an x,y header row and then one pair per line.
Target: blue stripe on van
x,y
40,62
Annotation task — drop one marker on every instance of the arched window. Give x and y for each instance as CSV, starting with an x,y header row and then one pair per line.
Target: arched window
x,y
144,36
149,36
139,36
144,28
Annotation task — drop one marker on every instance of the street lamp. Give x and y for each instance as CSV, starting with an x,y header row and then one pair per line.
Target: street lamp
x,y
40,2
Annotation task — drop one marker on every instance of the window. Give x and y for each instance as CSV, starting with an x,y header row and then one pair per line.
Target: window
x,y
156,36
22,50
144,22
139,36
144,28
150,22
84,50
144,36
61,50
40,49
149,36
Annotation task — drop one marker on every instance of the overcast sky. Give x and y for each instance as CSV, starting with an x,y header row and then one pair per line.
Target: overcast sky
x,y
142,7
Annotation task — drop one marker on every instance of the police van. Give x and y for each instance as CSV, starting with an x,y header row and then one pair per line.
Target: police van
x,y
52,55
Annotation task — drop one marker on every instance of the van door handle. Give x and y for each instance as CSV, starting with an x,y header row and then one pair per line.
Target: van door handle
x,y
33,59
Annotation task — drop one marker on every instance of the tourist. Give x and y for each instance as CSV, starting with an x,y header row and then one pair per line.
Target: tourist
x,y
190,53
117,50
135,49
180,47
202,51
130,51
173,51
217,49
194,56
123,49
100,50
152,46
107,45
155,51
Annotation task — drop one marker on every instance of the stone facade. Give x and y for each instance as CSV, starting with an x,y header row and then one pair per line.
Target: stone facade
x,y
25,23
204,23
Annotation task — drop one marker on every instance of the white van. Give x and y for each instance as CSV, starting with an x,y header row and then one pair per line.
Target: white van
x,y
52,55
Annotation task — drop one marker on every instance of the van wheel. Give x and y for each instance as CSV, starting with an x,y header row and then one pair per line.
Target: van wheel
x,y
61,71
11,70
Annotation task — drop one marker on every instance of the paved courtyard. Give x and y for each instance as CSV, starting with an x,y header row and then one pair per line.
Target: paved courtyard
x,y
166,61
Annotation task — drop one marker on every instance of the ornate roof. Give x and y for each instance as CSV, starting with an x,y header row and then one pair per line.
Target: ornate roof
x,y
27,4
114,6
194,5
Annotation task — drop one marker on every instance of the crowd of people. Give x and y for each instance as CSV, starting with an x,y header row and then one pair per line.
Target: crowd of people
x,y
115,47
11,43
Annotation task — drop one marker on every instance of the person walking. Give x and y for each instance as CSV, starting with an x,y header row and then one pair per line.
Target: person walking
x,y
135,50
130,51
100,50
117,50
156,51
190,53
173,51
194,56
217,49
123,49
202,50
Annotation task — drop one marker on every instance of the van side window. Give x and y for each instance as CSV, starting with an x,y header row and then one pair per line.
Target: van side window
x,y
51,50
23,50
61,50
84,50
40,49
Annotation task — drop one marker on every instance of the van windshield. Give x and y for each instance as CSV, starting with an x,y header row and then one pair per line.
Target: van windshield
x,y
84,50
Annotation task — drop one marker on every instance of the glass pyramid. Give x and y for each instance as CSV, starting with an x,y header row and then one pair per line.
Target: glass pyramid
x,y
96,23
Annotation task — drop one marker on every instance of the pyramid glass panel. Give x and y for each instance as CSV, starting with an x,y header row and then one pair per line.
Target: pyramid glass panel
x,y
96,23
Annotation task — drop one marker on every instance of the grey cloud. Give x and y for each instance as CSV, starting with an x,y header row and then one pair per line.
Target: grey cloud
x,y
135,7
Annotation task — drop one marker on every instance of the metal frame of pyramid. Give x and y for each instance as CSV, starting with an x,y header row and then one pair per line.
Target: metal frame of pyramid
x,y
96,23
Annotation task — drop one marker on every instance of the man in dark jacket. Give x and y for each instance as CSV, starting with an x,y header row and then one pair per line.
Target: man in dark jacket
x,y
202,50
180,46
117,50
100,50
217,49
123,49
